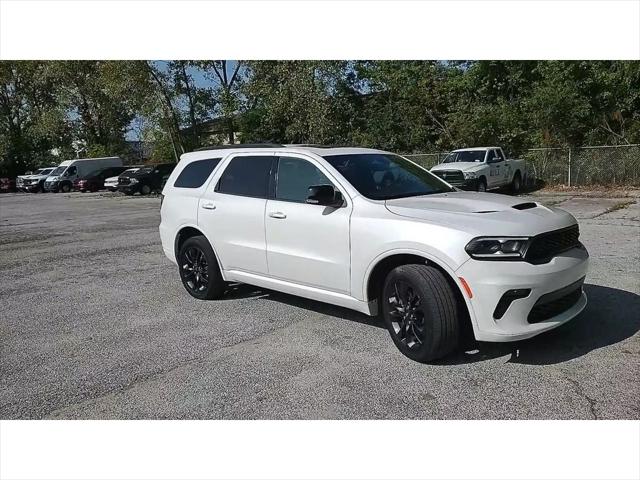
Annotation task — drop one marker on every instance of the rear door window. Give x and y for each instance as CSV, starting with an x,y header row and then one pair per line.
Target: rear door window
x,y
246,176
196,173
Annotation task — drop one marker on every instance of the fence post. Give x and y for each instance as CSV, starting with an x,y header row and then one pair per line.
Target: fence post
x,y
569,171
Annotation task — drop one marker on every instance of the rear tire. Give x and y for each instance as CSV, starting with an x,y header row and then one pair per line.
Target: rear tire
x,y
421,312
516,183
199,270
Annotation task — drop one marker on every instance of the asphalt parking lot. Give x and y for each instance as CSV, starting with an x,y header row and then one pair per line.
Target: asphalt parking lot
x,y
96,324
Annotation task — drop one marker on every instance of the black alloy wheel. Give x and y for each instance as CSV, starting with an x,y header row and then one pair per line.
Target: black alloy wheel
x,y
199,269
65,188
145,189
407,316
421,312
195,270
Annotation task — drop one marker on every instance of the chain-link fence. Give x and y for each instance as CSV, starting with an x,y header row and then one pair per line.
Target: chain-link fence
x,y
593,165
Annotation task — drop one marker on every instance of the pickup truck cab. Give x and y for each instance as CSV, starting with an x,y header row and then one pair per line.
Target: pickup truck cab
x,y
481,169
372,231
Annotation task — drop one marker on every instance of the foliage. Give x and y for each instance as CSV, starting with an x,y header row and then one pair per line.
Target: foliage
x,y
59,109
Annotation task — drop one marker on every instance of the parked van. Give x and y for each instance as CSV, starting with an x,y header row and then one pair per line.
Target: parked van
x,y
61,179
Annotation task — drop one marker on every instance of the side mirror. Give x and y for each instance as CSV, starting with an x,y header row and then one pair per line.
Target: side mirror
x,y
325,195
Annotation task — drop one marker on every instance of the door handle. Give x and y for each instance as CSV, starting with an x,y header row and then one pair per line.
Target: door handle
x,y
277,215
209,206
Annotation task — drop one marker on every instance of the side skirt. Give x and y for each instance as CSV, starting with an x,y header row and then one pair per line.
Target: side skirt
x,y
313,293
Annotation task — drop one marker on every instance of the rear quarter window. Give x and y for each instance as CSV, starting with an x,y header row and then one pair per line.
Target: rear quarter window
x,y
196,173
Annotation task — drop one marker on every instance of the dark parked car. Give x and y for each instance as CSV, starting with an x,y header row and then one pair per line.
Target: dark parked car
x,y
7,184
94,181
147,179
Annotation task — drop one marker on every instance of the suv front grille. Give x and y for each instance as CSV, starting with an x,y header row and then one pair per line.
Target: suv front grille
x,y
454,177
547,245
124,181
555,303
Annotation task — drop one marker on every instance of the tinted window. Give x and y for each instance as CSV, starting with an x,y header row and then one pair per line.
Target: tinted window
x,y
196,173
247,176
499,154
385,176
71,170
295,176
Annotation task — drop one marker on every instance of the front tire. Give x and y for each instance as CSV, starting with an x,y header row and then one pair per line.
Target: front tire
x,y
145,189
65,188
482,185
421,312
199,270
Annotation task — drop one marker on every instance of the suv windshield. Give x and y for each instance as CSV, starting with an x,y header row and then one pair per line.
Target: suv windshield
x,y
58,171
383,176
466,156
45,171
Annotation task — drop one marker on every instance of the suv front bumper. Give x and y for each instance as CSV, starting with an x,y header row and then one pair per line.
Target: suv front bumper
x,y
490,280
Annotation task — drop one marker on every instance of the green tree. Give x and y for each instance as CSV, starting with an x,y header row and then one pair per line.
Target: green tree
x,y
32,126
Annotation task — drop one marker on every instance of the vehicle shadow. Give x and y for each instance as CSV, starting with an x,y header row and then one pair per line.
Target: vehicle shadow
x,y
241,290
611,316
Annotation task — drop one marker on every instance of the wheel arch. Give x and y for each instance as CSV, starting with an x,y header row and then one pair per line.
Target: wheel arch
x,y
187,231
381,267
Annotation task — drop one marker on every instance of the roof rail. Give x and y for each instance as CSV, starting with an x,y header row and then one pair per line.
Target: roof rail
x,y
318,145
239,145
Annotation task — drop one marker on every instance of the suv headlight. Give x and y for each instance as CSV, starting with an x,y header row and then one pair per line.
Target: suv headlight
x,y
469,175
497,248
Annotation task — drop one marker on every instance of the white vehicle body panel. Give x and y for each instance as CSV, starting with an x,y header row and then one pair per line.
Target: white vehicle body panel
x,y
329,254
84,166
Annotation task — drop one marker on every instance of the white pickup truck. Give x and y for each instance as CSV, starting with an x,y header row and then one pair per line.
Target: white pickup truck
x,y
481,169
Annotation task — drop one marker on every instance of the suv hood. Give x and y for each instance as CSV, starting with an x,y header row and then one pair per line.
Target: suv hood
x,y
483,213
464,166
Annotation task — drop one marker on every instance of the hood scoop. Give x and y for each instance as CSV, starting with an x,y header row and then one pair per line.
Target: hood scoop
x,y
525,206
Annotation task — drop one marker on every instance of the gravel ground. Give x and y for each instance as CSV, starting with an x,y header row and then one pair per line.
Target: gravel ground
x,y
95,324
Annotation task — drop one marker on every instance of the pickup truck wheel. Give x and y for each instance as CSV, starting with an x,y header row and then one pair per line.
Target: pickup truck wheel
x,y
516,183
199,269
421,312
482,185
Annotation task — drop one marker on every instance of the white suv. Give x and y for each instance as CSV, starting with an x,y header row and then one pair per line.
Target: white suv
x,y
371,231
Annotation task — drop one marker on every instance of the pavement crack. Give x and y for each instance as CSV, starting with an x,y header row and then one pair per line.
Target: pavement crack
x,y
154,375
614,208
580,391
